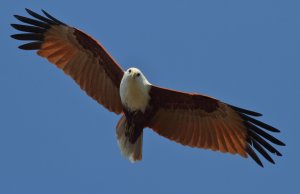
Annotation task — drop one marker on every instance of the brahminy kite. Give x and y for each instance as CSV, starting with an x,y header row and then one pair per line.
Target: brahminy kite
x,y
190,119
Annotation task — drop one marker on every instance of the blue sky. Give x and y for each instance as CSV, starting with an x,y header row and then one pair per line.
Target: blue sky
x,y
55,139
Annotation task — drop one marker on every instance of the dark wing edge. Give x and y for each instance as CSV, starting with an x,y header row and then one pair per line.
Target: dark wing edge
x,y
256,136
34,31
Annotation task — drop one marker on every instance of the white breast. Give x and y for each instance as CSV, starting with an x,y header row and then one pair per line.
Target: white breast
x,y
134,93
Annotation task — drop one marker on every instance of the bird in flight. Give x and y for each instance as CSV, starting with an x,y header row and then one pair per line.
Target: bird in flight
x,y
190,119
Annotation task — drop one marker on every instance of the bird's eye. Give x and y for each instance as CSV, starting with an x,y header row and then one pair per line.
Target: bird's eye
x,y
129,70
138,74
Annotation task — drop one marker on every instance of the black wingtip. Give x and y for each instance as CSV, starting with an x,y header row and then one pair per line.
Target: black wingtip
x,y
29,11
28,36
245,111
21,47
17,16
31,46
263,134
253,155
259,123
261,150
14,36
278,154
53,18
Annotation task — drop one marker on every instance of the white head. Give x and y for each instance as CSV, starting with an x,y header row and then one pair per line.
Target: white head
x,y
134,90
135,75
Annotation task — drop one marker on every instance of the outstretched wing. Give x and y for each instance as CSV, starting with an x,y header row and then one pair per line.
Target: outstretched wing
x,y
76,53
204,122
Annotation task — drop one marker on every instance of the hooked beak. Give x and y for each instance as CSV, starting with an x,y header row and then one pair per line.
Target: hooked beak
x,y
135,75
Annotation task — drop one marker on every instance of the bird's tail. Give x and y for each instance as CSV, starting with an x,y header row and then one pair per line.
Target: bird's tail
x,y
133,152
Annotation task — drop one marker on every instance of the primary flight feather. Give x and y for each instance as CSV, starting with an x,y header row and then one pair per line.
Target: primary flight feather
x,y
190,119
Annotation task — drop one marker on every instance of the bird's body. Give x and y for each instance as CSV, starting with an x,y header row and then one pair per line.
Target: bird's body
x,y
134,93
190,119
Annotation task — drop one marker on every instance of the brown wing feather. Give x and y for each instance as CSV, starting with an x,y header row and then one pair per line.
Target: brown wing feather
x,y
200,121
77,54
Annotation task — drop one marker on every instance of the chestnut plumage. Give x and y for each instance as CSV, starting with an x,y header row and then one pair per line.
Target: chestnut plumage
x,y
190,119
